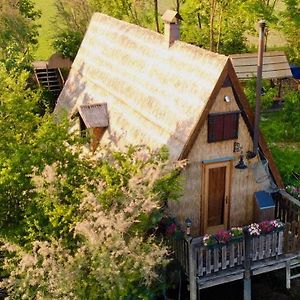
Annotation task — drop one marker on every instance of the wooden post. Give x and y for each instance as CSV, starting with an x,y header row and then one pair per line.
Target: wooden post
x,y
247,266
262,26
192,270
288,274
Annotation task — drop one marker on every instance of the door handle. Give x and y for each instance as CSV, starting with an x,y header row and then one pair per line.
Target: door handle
x,y
226,199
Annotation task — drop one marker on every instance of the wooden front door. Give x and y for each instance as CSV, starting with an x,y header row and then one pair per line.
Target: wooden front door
x,y
216,196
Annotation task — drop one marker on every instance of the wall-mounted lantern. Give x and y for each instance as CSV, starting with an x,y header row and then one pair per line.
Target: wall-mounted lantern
x,y
241,164
238,148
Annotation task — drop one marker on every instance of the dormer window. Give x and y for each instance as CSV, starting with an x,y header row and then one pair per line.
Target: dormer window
x,y
94,117
223,126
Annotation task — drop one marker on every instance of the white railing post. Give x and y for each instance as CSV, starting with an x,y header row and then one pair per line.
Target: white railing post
x,y
192,270
247,266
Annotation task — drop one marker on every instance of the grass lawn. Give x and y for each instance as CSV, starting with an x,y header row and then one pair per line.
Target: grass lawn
x,y
285,143
47,29
48,9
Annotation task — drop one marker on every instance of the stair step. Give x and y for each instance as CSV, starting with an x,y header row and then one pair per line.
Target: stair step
x,y
45,70
297,265
42,75
50,81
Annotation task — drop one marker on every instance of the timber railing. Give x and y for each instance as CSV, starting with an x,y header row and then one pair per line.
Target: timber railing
x,y
287,209
205,260
219,257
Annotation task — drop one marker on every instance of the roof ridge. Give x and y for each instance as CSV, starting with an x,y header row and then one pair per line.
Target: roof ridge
x,y
161,35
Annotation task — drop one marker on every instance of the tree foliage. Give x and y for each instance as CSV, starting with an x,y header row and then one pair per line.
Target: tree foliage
x,y
28,141
82,219
113,250
213,25
73,18
18,33
290,25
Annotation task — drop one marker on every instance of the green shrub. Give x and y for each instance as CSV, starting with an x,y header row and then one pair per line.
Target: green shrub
x,y
94,218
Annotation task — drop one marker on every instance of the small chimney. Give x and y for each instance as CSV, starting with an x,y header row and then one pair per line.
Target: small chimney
x,y
262,26
171,19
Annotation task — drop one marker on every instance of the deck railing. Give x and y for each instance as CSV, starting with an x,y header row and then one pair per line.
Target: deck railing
x,y
220,257
242,255
212,259
287,209
266,246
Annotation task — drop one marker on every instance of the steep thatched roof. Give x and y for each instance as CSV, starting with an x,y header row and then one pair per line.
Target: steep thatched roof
x,y
155,94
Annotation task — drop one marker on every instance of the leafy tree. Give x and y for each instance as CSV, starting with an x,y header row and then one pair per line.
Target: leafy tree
x,y
71,22
82,219
73,18
290,26
111,207
28,142
213,25
18,33
263,10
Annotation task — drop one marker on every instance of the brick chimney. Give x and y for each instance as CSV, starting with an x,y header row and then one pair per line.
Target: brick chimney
x,y
171,19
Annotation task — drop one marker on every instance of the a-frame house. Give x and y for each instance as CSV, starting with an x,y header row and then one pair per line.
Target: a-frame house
x,y
135,86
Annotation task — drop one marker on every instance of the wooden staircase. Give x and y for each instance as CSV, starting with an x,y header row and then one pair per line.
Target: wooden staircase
x,y
50,78
292,272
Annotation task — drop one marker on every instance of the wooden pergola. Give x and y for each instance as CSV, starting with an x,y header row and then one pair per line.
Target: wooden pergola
x,y
275,67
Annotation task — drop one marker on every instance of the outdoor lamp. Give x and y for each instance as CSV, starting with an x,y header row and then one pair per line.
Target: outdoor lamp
x,y
241,165
188,224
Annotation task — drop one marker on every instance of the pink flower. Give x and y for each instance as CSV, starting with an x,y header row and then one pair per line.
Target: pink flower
x,y
223,236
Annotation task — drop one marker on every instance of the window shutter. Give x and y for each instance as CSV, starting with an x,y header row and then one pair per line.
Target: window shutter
x,y
231,126
210,130
219,127
223,126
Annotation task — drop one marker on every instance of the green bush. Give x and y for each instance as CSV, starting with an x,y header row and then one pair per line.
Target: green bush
x,y
89,224
67,43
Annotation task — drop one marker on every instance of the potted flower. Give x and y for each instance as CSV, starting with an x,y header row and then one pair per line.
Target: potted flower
x,y
209,240
270,226
253,230
278,225
266,227
223,236
236,233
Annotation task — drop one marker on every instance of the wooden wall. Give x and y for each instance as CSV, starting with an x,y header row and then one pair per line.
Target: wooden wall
x,y
243,181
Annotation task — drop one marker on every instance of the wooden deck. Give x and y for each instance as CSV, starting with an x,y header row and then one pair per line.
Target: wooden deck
x,y
244,257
